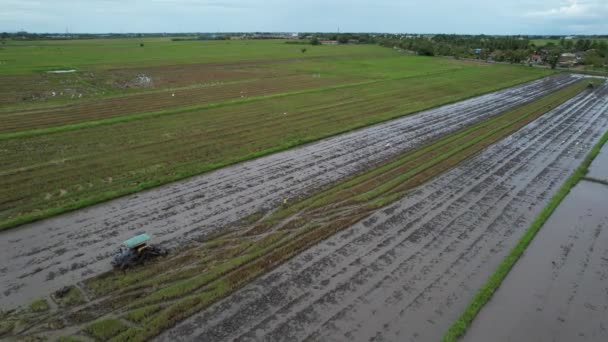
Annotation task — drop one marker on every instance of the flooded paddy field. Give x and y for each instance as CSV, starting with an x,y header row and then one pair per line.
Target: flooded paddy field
x,y
44,256
406,272
558,290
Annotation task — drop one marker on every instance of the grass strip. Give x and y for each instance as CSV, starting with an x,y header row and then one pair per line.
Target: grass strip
x,y
459,327
105,329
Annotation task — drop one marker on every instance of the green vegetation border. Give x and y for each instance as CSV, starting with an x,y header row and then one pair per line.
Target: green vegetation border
x,y
485,293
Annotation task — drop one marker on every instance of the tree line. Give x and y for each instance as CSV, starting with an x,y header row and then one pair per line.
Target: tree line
x,y
513,49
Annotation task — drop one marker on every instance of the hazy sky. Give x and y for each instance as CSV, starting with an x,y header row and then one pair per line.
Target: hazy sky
x,y
424,16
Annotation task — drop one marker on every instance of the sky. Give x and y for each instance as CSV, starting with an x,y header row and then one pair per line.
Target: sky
x,y
510,17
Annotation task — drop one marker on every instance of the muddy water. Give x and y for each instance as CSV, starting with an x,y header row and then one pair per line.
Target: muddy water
x,y
558,291
407,272
599,167
44,256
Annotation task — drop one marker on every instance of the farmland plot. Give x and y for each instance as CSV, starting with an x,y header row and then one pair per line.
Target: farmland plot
x,y
460,112
82,112
407,271
232,225
67,167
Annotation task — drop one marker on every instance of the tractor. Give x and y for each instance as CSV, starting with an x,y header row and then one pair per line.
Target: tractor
x,y
135,251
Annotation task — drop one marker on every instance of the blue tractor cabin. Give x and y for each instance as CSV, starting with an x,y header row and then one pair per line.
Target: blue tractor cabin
x,y
136,241
135,251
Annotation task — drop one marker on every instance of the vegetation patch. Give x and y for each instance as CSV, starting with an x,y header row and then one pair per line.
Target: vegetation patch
x,y
39,305
69,339
105,329
139,315
6,328
70,296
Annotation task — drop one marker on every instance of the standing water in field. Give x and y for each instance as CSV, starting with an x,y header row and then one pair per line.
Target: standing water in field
x,y
557,291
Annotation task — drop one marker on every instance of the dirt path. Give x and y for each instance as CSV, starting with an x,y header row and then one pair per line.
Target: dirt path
x,y
558,291
406,272
44,256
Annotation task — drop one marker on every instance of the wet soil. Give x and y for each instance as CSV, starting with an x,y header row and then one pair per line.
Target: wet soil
x,y
41,257
558,291
599,167
406,272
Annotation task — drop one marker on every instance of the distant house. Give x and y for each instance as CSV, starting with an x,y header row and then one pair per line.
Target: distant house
x,y
478,51
567,59
536,59
329,42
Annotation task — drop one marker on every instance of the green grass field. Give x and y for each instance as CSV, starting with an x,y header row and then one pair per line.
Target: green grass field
x,y
98,54
65,153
